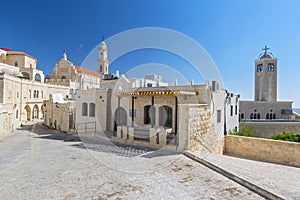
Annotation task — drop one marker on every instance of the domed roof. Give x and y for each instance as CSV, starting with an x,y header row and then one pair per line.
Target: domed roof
x,y
266,55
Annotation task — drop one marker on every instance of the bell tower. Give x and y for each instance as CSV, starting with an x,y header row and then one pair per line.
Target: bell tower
x,y
266,77
102,61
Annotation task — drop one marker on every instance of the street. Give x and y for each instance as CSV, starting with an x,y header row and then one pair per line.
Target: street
x,y
37,163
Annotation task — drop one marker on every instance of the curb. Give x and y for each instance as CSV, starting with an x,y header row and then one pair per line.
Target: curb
x,y
258,190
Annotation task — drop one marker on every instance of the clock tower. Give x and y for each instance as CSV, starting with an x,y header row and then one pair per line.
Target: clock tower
x,y
102,61
266,77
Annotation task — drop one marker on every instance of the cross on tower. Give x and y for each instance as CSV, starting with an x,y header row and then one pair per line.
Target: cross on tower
x,y
266,49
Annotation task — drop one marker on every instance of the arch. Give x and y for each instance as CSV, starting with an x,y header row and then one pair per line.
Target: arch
x,y
16,64
26,75
258,115
63,78
84,109
251,116
165,116
271,116
120,117
267,116
28,112
254,116
92,108
34,94
35,112
242,116
149,114
274,115
37,77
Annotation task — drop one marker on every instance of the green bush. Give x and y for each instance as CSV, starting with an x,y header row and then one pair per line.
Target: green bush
x,y
287,136
244,130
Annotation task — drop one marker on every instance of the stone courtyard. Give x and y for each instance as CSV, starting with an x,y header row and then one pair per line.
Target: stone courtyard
x,y
37,163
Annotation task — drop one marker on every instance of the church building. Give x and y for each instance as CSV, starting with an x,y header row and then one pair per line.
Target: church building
x,y
265,105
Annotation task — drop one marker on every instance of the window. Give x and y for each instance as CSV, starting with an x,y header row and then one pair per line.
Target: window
x,y
30,65
26,75
242,116
236,110
231,110
84,109
165,116
274,116
219,116
251,116
29,93
149,84
17,114
17,94
92,110
267,116
37,77
254,116
34,94
63,78
258,116
37,94
16,63
259,68
149,114
270,67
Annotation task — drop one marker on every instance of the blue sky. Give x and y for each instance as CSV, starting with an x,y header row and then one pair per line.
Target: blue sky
x,y
233,32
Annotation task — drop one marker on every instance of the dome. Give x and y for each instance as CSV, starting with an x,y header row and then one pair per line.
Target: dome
x,y
102,44
266,55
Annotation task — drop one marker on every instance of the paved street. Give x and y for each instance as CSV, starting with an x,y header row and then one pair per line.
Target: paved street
x,y
38,165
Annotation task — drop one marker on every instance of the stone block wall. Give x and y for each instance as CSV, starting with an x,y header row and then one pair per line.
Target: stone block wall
x,y
195,130
6,125
281,152
267,129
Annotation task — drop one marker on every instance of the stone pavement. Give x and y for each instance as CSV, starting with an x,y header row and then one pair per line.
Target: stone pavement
x,y
45,165
281,180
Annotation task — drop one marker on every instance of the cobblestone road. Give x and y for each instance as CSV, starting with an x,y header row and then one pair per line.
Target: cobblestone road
x,y
41,166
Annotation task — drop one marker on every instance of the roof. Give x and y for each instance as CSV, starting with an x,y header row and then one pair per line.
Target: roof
x,y
19,53
87,71
5,49
159,91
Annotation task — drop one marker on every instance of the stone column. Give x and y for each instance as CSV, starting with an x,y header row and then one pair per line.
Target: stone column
x,y
152,136
131,134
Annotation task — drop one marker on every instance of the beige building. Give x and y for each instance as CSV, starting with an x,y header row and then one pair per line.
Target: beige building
x,y
22,90
265,105
67,74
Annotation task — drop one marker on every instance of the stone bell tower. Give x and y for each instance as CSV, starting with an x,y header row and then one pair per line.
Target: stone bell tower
x,y
266,77
102,61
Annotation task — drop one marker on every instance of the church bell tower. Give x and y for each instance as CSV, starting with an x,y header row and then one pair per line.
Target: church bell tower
x,y
102,61
266,77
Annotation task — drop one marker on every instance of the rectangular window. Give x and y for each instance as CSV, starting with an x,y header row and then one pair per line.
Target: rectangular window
x,y
236,110
218,116
231,110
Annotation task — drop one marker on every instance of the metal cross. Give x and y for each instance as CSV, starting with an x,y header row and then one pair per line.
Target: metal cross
x,y
266,49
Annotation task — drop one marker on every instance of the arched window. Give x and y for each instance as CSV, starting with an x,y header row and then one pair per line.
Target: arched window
x,y
165,116
274,116
37,94
258,115
92,110
267,116
17,114
271,116
84,109
34,94
251,116
29,93
37,77
242,115
254,115
16,63
149,114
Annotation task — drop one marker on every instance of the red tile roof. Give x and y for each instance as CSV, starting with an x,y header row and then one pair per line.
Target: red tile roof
x,y
86,71
5,49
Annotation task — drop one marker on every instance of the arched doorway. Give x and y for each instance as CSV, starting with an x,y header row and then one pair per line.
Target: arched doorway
x,y
28,112
165,116
120,118
35,112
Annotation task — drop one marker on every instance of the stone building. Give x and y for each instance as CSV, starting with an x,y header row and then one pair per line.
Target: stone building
x,y
22,90
265,105
67,74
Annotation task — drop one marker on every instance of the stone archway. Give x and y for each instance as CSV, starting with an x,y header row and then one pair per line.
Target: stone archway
x,y
28,112
120,118
35,112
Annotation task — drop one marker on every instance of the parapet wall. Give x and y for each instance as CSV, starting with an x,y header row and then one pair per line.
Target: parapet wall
x,y
274,151
267,129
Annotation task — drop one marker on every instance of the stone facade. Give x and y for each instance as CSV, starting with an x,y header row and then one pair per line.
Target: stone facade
x,y
67,74
267,129
264,110
281,152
